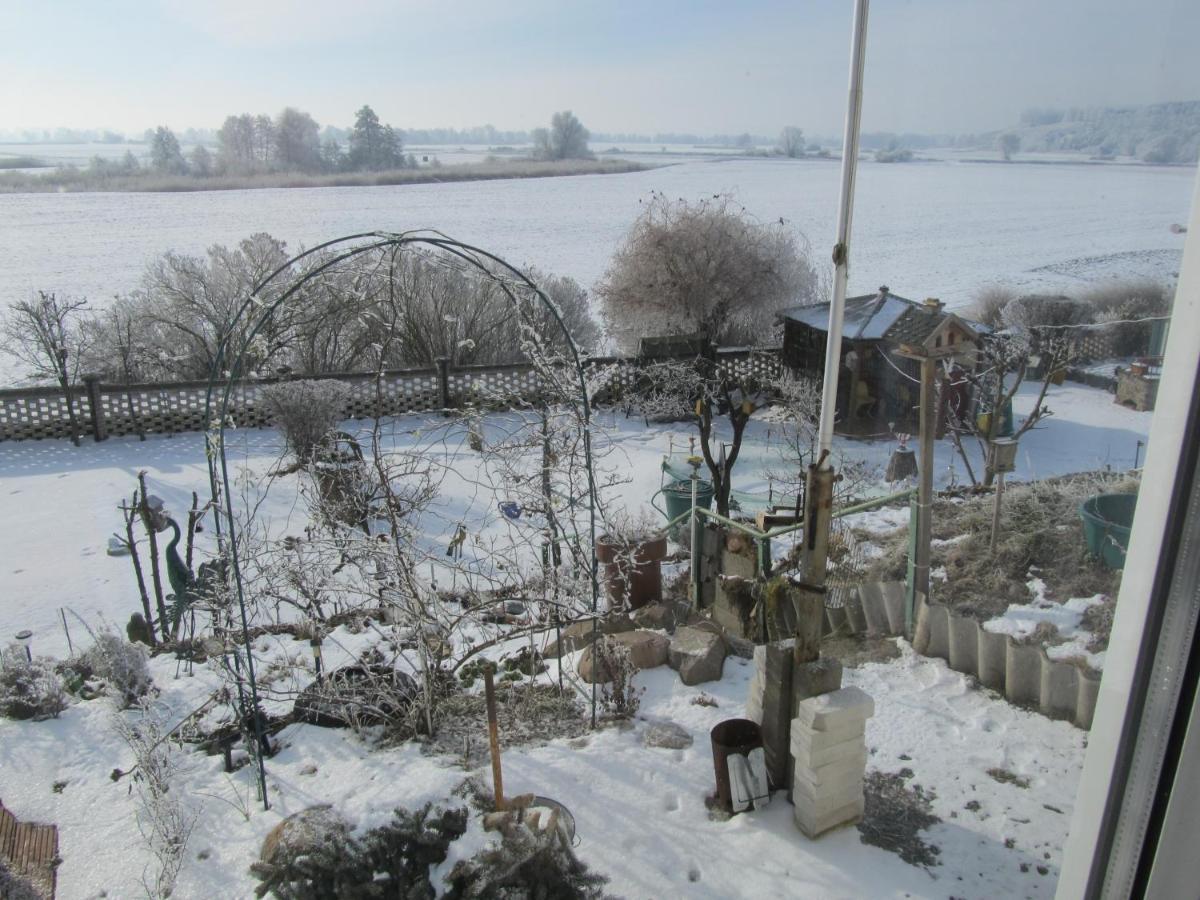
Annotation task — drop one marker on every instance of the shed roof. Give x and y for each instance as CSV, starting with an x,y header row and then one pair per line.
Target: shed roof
x,y
867,317
877,317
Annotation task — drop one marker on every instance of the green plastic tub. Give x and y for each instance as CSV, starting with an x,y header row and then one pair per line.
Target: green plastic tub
x,y
678,497
1106,522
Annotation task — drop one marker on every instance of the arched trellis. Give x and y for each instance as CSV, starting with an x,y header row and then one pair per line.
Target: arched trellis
x,y
227,368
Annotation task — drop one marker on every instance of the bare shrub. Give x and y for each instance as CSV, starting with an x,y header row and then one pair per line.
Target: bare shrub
x,y
1032,311
988,305
29,689
619,697
307,412
164,821
1122,304
121,665
707,266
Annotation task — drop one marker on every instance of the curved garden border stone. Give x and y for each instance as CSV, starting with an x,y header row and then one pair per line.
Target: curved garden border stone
x,y
1023,673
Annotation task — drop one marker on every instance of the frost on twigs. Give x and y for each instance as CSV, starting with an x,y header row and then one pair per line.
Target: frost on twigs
x,y
307,412
121,665
163,816
29,689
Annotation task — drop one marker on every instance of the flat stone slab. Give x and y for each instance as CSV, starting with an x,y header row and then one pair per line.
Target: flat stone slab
x,y
697,655
668,735
809,756
838,709
814,824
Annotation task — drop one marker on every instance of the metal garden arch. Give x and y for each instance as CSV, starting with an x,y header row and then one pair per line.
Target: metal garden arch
x,y
226,372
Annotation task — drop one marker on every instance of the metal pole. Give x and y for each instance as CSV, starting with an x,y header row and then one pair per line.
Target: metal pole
x,y
697,542
925,486
841,250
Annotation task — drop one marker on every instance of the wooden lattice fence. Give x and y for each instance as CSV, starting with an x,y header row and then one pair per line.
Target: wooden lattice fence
x,y
174,407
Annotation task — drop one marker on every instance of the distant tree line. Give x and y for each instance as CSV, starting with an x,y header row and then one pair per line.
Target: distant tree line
x,y
1157,133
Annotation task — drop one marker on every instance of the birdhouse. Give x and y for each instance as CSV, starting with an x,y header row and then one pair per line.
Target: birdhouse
x,y
1003,455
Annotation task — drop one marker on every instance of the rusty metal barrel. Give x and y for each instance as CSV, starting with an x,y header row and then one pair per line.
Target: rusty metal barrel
x,y
733,737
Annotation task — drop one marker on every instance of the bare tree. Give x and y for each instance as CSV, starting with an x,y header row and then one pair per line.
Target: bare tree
x,y
707,267
1009,143
565,139
791,142
47,335
706,394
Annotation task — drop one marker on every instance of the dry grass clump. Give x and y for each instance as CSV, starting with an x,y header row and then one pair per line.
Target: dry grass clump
x,y
1040,534
527,713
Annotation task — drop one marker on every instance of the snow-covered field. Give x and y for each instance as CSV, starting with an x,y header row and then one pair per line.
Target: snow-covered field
x,y
640,811
940,228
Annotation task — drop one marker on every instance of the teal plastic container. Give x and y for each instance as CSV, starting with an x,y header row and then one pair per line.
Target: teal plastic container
x,y
678,497
1106,523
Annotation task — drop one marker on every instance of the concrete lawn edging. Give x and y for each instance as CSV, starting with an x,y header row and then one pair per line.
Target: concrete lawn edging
x,y
1023,673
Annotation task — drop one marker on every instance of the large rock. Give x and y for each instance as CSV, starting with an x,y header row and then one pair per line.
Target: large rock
x,y
668,735
697,655
647,649
301,833
655,615
580,634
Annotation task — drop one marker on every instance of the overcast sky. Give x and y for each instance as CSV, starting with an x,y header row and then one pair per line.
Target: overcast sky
x,y
623,65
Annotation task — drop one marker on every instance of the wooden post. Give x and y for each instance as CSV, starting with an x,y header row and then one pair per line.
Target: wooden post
x,y
810,596
489,692
443,368
996,512
910,593
92,384
925,486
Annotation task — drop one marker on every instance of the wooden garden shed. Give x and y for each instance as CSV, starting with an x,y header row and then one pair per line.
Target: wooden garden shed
x,y
879,381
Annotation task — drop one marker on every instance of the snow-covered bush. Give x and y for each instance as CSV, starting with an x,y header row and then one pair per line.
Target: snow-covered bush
x,y
121,665
307,412
29,689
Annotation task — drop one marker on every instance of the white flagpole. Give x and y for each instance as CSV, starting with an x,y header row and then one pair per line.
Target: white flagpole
x,y
841,250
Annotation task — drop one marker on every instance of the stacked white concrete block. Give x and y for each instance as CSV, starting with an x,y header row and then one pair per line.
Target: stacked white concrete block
x,y
829,750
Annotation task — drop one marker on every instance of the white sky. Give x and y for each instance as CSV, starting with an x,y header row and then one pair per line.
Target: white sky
x,y
671,65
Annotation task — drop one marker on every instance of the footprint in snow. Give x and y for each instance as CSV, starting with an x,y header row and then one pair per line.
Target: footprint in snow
x,y
671,803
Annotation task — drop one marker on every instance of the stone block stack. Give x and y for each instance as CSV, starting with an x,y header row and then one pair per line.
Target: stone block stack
x,y
829,753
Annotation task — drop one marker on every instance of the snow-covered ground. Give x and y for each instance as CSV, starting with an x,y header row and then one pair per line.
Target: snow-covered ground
x,y
62,500
640,811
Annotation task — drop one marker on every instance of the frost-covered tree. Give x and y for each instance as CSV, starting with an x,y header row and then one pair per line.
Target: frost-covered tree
x,y
166,157
297,141
47,334
565,139
704,267
1009,143
201,163
791,142
373,145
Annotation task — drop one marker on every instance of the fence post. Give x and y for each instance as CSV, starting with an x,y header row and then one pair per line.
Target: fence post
x,y
443,367
92,384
